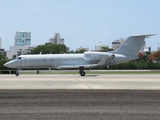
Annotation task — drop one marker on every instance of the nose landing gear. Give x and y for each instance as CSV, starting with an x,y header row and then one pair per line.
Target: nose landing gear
x,y
17,72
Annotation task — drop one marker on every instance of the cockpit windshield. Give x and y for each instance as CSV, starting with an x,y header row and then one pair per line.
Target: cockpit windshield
x,y
19,58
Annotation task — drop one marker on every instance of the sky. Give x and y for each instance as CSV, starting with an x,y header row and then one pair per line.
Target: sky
x,y
80,22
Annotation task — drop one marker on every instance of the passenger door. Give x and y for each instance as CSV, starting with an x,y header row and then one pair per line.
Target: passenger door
x,y
25,61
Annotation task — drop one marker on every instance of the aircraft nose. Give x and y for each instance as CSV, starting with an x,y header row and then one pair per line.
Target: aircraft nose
x,y
6,64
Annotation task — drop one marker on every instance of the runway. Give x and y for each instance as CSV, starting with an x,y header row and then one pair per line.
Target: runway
x,y
75,81
93,97
79,105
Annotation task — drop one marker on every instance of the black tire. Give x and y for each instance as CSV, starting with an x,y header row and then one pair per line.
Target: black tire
x,y
17,74
83,73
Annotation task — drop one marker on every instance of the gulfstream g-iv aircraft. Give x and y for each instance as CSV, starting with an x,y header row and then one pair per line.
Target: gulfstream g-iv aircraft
x,y
127,52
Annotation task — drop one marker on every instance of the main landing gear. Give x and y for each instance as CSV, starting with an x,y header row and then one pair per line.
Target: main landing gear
x,y
17,72
81,71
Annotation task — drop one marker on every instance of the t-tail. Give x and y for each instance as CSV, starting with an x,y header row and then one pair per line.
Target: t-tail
x,y
132,45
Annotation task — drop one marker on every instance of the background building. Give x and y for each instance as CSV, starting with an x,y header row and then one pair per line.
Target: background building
x,y
19,50
56,39
99,46
117,43
22,38
22,44
146,49
2,51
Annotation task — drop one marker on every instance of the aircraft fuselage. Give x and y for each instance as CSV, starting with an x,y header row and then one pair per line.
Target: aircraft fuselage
x,y
69,60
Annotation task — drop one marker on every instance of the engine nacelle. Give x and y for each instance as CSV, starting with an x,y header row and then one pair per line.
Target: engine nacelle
x,y
96,56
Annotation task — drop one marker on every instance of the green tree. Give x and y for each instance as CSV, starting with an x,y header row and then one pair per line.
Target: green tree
x,y
105,49
14,56
3,60
80,51
50,48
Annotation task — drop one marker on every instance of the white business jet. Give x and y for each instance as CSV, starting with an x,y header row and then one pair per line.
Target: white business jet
x,y
128,51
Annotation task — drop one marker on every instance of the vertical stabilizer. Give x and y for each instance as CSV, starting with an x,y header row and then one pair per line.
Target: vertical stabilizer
x,y
132,45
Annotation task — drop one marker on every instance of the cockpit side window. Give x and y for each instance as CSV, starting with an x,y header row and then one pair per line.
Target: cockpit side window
x,y
19,58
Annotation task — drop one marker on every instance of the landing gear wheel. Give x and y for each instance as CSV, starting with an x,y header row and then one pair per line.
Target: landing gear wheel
x,y
17,74
82,73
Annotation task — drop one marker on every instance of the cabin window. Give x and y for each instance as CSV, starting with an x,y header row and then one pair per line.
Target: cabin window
x,y
59,59
72,59
51,60
44,60
65,59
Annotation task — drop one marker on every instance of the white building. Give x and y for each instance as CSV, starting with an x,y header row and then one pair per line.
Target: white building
x,y
19,50
146,49
22,38
99,46
117,43
56,39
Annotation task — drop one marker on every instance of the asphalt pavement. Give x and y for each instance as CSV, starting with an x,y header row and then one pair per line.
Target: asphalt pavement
x,y
78,104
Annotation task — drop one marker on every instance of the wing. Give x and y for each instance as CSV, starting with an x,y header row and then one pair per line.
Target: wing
x,y
100,63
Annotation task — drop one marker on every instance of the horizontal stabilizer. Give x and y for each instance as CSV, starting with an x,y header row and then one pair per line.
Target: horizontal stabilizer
x,y
147,35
